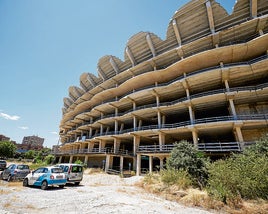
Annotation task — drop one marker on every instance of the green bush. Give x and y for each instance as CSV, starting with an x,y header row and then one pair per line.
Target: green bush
x,y
172,176
242,175
185,156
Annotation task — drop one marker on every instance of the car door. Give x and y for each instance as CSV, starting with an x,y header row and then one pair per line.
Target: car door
x,y
34,178
7,171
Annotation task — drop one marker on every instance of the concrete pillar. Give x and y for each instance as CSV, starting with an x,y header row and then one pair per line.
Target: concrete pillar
x,y
150,164
195,137
227,85
116,126
60,159
161,162
138,167
159,118
102,144
116,145
101,129
134,163
134,123
231,102
86,160
239,134
191,114
107,162
253,8
136,144
71,159
157,100
162,139
90,146
121,163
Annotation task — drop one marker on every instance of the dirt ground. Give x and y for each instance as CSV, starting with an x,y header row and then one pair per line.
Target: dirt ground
x,y
97,193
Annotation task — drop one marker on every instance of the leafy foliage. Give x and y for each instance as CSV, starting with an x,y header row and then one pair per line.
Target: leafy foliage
x,y
242,175
7,149
185,156
172,176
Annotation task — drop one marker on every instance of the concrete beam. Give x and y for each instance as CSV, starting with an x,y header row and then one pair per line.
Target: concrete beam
x,y
114,65
91,81
210,17
101,73
130,56
150,44
176,31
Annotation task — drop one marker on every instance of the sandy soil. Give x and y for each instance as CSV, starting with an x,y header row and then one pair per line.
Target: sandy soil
x,y
98,193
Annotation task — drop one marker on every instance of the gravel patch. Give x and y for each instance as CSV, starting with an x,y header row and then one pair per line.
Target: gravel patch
x,y
97,193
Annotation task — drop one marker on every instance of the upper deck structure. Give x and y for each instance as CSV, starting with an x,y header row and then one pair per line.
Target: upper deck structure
x,y
206,83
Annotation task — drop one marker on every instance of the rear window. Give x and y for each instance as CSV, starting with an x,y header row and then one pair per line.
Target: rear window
x,y
2,161
22,167
77,168
56,170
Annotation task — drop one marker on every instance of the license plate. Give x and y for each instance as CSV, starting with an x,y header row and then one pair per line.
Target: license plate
x,y
59,176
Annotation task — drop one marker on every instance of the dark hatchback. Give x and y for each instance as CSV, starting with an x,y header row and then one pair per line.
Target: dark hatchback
x,y
3,164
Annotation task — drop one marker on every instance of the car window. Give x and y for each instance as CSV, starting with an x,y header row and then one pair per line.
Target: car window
x,y
12,166
45,170
22,167
40,170
77,169
66,168
56,170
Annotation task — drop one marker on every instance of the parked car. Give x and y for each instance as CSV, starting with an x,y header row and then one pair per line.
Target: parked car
x,y
15,172
3,164
74,172
45,177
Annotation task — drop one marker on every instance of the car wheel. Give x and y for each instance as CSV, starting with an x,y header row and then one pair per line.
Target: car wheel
x,y
44,185
25,182
10,178
76,183
61,186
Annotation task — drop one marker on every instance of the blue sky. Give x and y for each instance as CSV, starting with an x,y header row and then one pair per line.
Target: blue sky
x,y
45,45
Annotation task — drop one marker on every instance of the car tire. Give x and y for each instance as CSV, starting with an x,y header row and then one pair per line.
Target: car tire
x,y
10,178
25,182
44,185
61,186
76,183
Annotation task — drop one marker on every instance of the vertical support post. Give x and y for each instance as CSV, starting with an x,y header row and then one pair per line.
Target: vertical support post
x,y
138,168
150,164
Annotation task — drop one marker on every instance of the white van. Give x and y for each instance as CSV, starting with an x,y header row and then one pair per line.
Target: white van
x,y
74,172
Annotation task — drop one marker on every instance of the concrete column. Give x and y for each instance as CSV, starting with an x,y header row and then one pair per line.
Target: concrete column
x,y
195,137
159,118
157,100
138,167
136,143
231,102
121,163
150,164
102,144
71,159
90,146
161,136
161,162
239,134
163,119
116,144
101,129
107,162
227,85
253,8
134,123
60,159
116,126
90,132
191,114
86,160
134,105
134,163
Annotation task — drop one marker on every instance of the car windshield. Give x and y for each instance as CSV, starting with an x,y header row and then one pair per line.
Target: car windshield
x,y
56,170
77,169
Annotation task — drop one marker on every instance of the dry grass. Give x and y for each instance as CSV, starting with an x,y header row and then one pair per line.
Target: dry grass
x,y
198,198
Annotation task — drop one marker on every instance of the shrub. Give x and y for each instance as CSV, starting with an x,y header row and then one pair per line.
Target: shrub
x,y
186,157
242,175
172,176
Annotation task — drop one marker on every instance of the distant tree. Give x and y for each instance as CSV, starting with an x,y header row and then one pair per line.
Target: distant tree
x,y
31,154
7,149
50,159
185,156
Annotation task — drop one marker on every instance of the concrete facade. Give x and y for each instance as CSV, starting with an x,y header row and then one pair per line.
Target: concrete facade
x,y
207,83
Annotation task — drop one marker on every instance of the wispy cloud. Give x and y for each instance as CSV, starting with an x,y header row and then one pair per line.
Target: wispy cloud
x,y
23,127
9,117
54,133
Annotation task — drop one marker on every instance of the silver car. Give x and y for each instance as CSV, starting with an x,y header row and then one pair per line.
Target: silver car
x,y
74,172
15,172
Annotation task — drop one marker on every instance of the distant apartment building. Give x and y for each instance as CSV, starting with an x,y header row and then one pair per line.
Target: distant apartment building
x,y
206,83
31,143
5,138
